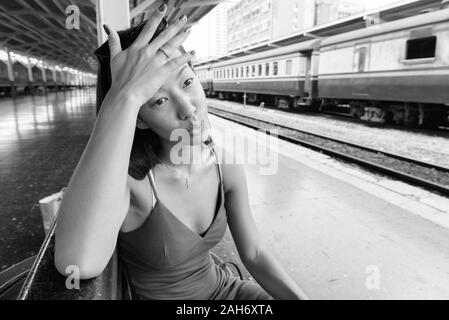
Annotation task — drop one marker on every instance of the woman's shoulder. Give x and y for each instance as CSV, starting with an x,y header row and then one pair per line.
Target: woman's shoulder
x,y
139,189
232,171
140,202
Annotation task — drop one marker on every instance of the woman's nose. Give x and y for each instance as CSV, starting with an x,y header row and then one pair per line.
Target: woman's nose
x,y
186,109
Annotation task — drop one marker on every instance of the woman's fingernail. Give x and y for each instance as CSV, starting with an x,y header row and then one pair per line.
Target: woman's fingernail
x,y
183,18
106,29
162,7
192,52
187,30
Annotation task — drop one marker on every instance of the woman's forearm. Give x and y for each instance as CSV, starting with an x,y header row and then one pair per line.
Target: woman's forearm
x,y
89,217
273,278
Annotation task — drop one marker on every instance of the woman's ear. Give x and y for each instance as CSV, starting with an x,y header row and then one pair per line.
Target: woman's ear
x,y
140,124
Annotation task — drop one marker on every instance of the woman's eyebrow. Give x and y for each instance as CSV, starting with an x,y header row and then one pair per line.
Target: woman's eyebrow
x,y
182,69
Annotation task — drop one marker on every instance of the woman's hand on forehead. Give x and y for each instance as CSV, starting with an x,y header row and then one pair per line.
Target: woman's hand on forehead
x,y
140,70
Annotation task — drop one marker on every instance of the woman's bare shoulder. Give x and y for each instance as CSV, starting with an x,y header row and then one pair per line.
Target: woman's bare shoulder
x,y
233,173
140,202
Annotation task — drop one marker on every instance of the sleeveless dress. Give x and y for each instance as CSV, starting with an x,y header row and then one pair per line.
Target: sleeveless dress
x,y
167,260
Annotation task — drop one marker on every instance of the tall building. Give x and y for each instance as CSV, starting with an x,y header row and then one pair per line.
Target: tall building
x,y
209,38
251,22
217,25
331,10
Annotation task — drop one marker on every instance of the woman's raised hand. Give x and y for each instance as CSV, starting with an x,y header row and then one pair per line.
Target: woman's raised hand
x,y
141,69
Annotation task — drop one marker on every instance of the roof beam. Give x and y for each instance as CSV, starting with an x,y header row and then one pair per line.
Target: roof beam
x,y
200,3
311,35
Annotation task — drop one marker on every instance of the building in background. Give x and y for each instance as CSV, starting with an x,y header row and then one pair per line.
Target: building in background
x,y
331,10
249,23
209,37
252,22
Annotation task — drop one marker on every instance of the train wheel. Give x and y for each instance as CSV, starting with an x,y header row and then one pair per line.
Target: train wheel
x,y
430,116
411,115
356,110
282,103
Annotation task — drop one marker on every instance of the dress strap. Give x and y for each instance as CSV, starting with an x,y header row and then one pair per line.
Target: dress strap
x,y
153,186
220,174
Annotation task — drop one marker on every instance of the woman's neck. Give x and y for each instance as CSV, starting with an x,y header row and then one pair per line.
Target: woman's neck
x,y
175,155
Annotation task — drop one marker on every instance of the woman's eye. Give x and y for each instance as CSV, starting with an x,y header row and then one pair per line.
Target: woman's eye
x,y
188,82
160,101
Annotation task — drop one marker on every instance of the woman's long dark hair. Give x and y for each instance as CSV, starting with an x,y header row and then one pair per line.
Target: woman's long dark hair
x,y
146,142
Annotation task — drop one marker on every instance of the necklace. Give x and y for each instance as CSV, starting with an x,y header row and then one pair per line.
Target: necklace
x,y
178,173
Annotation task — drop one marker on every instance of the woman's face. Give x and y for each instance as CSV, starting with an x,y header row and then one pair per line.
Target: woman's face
x,y
179,104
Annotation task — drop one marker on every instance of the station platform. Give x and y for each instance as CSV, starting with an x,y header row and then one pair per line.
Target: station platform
x,y
340,232
41,140
343,233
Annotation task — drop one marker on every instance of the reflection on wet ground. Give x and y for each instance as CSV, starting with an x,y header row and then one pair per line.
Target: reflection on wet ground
x,y
41,141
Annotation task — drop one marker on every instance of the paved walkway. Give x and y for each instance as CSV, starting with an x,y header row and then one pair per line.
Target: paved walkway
x,y
340,233
41,140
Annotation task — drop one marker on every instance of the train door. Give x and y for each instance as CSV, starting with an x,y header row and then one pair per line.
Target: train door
x,y
359,81
308,74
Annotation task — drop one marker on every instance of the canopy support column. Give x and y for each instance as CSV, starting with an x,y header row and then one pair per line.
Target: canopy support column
x,y
114,13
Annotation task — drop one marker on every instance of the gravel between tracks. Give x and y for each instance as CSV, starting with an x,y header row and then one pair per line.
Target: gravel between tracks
x,y
425,147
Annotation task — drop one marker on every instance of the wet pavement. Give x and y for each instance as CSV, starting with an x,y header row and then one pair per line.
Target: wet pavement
x,y
41,140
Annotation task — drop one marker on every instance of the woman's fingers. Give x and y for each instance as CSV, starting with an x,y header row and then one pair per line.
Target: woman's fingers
x,y
168,33
176,42
180,60
113,40
150,27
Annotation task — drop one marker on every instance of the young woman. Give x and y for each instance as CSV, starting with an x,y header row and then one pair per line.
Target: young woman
x,y
129,189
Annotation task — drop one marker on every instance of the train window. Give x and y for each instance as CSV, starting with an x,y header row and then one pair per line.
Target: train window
x,y
253,70
241,72
288,67
421,48
259,71
247,71
275,68
232,73
267,69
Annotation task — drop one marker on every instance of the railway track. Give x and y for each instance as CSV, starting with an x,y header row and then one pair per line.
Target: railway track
x,y
416,172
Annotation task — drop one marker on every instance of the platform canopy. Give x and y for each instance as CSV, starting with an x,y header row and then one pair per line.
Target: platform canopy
x,y
38,27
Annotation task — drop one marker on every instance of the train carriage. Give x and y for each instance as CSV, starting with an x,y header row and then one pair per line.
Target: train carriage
x,y
284,75
204,75
395,71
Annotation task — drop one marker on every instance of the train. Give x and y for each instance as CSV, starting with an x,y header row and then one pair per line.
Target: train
x,y
22,85
393,72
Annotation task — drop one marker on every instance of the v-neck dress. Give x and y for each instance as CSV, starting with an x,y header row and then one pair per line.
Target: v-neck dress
x,y
167,260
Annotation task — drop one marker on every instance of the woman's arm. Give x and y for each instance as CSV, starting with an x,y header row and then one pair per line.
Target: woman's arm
x,y
259,262
97,198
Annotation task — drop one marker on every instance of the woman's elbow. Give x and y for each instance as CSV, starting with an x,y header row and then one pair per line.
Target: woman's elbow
x,y
82,270
251,256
